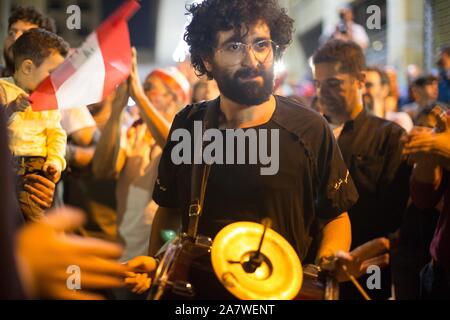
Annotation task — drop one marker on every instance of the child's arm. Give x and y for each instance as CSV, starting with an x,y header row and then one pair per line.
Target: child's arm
x,y
56,148
18,105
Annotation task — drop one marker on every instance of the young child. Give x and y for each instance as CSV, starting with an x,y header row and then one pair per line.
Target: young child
x,y
36,139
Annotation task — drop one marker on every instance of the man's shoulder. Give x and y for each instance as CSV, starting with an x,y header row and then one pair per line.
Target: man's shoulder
x,y
298,118
193,111
385,127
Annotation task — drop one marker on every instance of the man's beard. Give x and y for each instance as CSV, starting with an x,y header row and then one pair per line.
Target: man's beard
x,y
368,102
248,93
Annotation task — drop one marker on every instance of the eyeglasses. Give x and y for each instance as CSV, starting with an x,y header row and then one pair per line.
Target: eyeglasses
x,y
234,52
369,85
330,82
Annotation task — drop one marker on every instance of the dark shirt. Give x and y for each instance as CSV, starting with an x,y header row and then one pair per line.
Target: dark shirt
x,y
312,181
444,88
10,287
424,196
372,151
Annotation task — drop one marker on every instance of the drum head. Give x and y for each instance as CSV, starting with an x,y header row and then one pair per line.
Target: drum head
x,y
280,274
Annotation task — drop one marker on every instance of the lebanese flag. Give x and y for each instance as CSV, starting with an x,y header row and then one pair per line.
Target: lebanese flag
x,y
93,70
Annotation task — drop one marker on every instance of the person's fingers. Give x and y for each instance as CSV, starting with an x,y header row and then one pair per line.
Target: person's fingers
x,y
87,279
442,122
38,193
145,285
134,56
98,265
63,293
100,281
380,261
34,178
418,148
371,249
345,256
92,246
131,281
129,274
65,219
142,263
43,204
424,144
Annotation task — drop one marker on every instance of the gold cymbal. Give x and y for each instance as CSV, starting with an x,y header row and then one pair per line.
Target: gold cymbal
x,y
279,275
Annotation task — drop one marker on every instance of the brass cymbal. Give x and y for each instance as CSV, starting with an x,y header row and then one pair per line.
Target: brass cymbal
x,y
279,275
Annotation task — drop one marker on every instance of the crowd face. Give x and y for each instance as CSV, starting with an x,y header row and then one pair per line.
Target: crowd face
x,y
427,93
339,93
445,61
30,76
347,14
243,64
164,100
374,87
14,32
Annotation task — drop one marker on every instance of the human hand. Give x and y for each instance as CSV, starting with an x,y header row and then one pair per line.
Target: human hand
x,y
356,262
44,254
41,189
430,145
138,282
135,87
21,103
52,172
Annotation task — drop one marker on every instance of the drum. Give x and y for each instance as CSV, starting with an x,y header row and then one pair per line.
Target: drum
x,y
318,284
185,272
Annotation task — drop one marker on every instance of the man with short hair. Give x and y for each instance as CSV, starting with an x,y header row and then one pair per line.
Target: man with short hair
x,y
425,92
21,20
377,87
370,146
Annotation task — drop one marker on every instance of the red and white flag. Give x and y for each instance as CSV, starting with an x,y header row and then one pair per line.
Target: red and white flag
x,y
94,70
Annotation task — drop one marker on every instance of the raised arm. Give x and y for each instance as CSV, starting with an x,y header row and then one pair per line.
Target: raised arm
x,y
108,157
159,127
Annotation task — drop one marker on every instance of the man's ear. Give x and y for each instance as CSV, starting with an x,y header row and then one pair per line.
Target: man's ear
x,y
207,63
27,66
361,80
385,90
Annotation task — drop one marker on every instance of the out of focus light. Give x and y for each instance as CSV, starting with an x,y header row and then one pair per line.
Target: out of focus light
x,y
182,50
279,68
377,45
131,102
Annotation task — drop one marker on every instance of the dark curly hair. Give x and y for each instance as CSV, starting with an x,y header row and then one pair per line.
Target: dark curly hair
x,y
212,16
36,45
31,15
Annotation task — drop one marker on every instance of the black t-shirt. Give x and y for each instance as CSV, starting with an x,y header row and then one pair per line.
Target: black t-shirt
x,y
372,149
312,180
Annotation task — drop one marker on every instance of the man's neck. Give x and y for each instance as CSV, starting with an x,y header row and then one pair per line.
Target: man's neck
x,y
356,111
378,109
352,116
242,116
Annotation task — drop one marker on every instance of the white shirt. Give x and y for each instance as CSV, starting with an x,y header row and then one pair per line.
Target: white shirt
x,y
76,119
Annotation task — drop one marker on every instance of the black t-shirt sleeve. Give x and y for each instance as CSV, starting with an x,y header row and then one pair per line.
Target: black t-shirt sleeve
x,y
337,192
165,190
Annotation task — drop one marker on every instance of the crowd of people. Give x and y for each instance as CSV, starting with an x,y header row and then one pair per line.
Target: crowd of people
x,y
359,162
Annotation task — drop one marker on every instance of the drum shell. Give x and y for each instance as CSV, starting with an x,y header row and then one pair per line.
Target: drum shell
x,y
190,275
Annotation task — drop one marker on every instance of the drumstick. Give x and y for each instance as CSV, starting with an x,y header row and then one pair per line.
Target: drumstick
x,y
356,283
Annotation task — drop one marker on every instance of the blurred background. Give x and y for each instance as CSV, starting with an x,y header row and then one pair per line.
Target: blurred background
x,y
411,30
